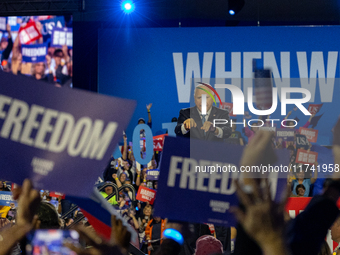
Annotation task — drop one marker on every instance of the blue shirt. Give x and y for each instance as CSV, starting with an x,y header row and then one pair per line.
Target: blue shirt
x,y
306,183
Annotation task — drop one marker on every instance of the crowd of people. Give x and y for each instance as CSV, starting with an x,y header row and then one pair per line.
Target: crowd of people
x,y
263,227
55,68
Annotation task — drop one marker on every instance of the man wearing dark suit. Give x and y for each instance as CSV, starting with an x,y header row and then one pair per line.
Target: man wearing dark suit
x,y
191,123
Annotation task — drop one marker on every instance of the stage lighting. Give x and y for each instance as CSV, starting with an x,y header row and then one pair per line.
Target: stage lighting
x,y
128,6
235,6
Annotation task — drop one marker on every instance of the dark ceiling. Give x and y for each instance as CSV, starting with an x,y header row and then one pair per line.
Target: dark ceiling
x,y
215,12
150,13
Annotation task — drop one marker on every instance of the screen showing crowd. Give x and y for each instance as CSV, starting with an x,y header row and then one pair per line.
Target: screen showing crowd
x,y
39,47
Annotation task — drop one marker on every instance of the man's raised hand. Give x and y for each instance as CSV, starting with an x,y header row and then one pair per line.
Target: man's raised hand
x,y
189,123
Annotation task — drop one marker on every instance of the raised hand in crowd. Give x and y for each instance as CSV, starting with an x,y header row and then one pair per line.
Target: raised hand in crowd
x,y
148,107
117,245
39,27
262,218
28,202
311,117
259,150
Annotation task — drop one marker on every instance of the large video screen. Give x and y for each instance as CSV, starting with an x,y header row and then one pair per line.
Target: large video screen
x,y
39,47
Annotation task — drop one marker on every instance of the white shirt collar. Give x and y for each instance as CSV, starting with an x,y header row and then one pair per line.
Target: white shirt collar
x,y
208,112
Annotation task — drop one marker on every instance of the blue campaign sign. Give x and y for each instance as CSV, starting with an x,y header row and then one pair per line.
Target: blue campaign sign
x,y
3,23
158,65
34,53
6,199
286,134
196,180
59,138
61,37
50,24
152,175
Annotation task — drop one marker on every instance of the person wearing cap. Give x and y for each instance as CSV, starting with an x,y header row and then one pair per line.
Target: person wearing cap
x,y
192,123
207,245
108,191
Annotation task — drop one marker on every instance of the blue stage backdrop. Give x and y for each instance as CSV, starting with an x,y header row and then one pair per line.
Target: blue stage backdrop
x,y
156,65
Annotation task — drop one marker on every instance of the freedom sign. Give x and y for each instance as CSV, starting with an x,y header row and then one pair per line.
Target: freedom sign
x,y
146,195
311,134
34,53
6,198
184,177
152,175
286,134
54,136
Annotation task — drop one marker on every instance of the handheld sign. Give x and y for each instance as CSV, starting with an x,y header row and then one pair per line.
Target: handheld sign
x,y
59,138
197,177
98,212
228,107
311,134
6,198
3,23
302,142
263,89
146,195
50,24
306,157
61,37
29,33
286,134
314,108
34,53
152,175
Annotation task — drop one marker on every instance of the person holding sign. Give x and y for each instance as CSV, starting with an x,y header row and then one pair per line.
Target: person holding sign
x,y
195,123
6,44
306,182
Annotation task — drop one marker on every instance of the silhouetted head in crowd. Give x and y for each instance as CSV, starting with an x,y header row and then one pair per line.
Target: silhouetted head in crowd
x,y
291,150
155,184
58,55
300,190
141,121
3,43
325,250
68,221
47,216
208,245
335,230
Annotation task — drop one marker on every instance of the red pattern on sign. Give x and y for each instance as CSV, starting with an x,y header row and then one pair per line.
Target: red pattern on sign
x,y
146,195
311,134
306,157
29,33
